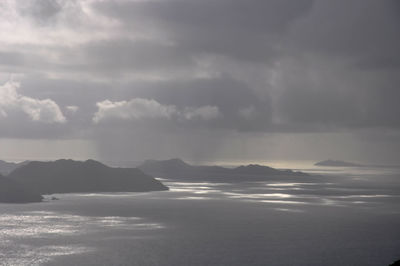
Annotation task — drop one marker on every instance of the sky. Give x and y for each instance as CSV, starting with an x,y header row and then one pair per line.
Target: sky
x,y
202,80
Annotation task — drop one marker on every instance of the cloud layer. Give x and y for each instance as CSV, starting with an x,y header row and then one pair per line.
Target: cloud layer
x,y
246,69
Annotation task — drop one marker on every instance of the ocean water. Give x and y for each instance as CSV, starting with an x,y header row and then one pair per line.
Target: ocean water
x,y
351,216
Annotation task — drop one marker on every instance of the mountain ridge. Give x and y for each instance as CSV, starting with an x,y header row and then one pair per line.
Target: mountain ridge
x,y
177,168
69,176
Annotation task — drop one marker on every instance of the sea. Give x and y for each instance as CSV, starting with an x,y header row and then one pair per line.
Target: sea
x,y
350,216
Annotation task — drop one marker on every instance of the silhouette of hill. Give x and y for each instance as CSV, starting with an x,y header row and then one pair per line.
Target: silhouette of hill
x,y
176,168
13,192
336,163
68,176
8,167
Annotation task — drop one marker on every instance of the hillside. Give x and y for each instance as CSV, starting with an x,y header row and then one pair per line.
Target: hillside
x,y
13,192
68,176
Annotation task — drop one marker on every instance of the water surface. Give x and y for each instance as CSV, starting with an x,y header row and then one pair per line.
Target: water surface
x,y
349,217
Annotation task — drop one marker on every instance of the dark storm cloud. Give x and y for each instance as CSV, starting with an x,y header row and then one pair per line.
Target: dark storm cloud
x,y
184,31
367,32
354,40
246,30
121,55
336,97
343,67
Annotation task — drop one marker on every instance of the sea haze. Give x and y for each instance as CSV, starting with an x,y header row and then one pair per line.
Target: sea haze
x,y
349,217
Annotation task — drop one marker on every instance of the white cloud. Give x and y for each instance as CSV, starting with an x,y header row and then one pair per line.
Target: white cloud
x,y
72,109
139,108
136,108
46,110
205,112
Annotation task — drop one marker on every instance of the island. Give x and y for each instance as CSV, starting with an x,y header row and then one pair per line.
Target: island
x,y
178,169
69,176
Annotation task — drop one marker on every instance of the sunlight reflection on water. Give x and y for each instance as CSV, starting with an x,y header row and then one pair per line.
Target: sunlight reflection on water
x,y
53,225
302,193
30,255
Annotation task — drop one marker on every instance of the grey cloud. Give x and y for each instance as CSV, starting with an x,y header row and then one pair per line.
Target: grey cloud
x,y
122,55
11,58
246,30
100,59
366,32
335,98
41,11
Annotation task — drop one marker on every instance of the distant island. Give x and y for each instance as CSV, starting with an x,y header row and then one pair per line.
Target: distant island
x,y
14,192
68,176
336,163
176,168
